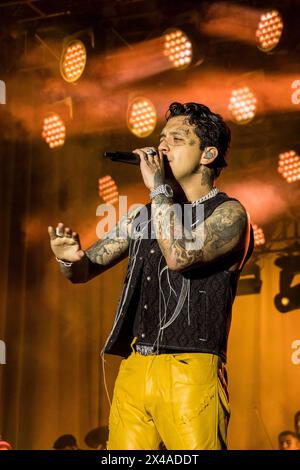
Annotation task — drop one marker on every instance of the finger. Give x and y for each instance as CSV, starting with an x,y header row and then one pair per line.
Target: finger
x,y
75,237
51,232
143,160
160,164
155,161
153,157
152,151
141,153
149,151
60,229
68,232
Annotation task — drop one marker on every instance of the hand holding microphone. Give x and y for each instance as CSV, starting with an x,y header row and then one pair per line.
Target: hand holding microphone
x,y
134,159
152,167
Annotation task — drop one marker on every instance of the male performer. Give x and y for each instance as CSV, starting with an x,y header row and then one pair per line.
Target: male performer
x,y
174,313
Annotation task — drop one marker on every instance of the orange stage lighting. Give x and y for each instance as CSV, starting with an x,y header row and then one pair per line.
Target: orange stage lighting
x,y
178,48
141,117
54,130
73,60
289,166
259,236
243,23
269,31
242,105
108,190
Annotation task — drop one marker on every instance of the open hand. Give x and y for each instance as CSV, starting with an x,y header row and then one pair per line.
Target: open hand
x,y
65,243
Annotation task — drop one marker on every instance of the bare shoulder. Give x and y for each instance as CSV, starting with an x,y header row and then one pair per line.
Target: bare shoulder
x,y
229,219
229,214
230,211
224,231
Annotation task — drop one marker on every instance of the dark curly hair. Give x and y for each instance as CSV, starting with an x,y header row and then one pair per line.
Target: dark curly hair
x,y
210,128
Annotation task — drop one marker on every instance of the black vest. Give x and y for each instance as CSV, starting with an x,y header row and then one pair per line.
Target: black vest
x,y
170,310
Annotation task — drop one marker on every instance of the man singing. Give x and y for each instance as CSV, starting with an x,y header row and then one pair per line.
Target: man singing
x,y
174,313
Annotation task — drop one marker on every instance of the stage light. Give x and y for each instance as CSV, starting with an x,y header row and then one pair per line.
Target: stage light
x,y
269,31
107,189
289,296
250,282
289,166
73,60
141,117
54,130
178,48
259,236
289,301
242,105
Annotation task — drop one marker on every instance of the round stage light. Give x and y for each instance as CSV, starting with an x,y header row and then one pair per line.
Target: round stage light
x,y
284,304
242,105
289,166
259,236
178,48
269,31
54,130
108,190
141,117
285,301
73,60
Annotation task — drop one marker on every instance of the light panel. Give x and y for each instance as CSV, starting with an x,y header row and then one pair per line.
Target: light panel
x,y
107,189
178,48
269,31
289,166
243,105
141,117
54,130
73,60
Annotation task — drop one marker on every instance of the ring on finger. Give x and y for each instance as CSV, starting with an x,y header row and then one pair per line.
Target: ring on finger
x,y
150,152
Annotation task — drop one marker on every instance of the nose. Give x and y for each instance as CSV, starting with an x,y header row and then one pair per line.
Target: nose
x,y
163,146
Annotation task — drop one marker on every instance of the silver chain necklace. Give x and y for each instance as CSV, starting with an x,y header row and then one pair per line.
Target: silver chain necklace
x,y
213,192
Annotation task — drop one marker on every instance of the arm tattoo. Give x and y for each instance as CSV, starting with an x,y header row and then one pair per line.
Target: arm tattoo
x,y
103,254
158,179
224,233
114,244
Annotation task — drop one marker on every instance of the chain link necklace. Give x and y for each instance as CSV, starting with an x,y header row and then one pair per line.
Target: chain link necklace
x,y
213,192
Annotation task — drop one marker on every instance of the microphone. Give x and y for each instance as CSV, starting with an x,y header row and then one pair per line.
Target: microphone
x,y
123,157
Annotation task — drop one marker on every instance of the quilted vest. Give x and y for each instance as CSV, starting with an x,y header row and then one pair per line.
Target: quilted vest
x,y
187,311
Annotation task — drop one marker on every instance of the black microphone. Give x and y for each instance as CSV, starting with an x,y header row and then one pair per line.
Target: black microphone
x,y
123,157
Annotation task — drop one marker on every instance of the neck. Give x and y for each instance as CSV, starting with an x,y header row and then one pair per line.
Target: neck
x,y
197,185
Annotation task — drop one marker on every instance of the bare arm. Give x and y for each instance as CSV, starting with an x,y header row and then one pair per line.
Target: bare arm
x,y
223,233
99,257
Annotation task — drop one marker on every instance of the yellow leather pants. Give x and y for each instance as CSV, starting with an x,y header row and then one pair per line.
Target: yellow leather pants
x,y
179,399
